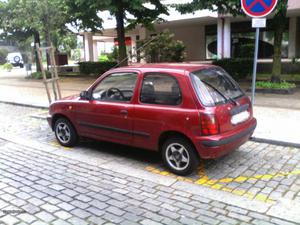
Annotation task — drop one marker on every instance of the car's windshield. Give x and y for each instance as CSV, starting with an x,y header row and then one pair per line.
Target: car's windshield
x,y
214,86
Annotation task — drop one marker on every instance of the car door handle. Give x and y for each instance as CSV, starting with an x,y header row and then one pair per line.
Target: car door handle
x,y
124,112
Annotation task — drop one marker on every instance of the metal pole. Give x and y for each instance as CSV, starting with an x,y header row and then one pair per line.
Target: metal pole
x,y
255,65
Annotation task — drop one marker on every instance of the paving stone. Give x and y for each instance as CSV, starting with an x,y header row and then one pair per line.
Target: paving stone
x,y
237,210
149,222
115,210
83,198
60,222
80,213
98,204
25,217
79,204
9,220
46,217
96,220
112,218
40,223
63,215
50,208
66,206
240,217
76,220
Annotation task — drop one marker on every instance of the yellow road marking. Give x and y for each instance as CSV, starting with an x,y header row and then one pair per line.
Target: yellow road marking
x,y
219,184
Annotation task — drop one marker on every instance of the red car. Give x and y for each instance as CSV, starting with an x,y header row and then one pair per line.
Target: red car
x,y
184,111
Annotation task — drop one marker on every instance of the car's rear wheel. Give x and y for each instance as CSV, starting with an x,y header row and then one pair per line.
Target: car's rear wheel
x,y
65,133
179,156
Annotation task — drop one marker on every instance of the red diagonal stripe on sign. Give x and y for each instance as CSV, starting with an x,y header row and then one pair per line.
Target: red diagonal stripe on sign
x,y
258,1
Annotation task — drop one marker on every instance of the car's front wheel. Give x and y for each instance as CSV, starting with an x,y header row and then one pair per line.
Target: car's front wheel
x,y
179,156
65,133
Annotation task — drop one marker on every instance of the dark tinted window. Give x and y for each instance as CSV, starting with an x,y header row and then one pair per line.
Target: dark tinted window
x,y
160,89
214,86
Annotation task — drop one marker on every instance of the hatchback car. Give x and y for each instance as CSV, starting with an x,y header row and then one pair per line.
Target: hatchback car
x,y
184,111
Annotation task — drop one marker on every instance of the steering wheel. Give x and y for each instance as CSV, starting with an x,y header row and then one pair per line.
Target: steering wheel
x,y
112,91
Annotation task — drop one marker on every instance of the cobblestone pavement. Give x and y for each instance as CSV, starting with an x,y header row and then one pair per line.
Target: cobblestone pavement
x,y
43,183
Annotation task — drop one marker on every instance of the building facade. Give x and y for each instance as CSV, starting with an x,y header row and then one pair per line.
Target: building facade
x,y
205,34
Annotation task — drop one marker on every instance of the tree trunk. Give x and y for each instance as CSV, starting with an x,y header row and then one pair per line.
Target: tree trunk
x,y
121,35
37,40
278,36
280,21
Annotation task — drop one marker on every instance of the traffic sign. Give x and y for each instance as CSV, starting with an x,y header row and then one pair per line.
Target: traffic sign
x,y
258,8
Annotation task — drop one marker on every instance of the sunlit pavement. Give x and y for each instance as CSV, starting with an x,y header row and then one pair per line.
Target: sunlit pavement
x,y
97,182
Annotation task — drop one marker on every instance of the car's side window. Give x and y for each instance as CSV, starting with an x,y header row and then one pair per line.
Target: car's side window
x,y
117,87
159,88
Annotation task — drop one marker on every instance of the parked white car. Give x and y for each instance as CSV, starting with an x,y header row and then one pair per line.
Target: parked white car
x,y
16,59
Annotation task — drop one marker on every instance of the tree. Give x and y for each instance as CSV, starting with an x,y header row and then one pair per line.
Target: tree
x,y
234,7
22,19
163,48
144,12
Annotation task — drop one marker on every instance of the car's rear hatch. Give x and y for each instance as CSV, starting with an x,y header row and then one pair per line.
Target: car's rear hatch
x,y
221,97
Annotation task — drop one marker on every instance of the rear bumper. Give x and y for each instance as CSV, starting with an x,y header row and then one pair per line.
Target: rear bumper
x,y
217,146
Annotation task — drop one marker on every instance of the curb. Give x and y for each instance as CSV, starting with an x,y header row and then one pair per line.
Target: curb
x,y
24,105
275,142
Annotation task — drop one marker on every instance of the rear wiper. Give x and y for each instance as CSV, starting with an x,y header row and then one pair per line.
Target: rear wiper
x,y
227,98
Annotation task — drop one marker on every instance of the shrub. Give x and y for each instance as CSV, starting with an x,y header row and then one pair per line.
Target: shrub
x,y
8,66
270,85
3,54
97,68
163,48
114,55
103,58
245,51
238,68
39,75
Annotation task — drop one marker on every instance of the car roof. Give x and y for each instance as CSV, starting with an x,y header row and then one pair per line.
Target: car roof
x,y
175,67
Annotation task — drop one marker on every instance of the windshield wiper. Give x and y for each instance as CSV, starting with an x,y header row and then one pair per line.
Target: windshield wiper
x,y
227,98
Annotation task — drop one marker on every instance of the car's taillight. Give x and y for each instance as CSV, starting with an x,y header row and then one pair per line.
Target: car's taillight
x,y
209,124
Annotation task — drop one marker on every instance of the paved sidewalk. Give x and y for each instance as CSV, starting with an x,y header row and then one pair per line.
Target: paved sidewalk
x,y
278,115
42,182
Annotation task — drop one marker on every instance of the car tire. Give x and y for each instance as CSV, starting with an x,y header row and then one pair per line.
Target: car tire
x,y
65,132
21,65
180,156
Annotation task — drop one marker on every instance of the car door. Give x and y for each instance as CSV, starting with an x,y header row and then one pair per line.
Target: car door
x,y
108,115
159,108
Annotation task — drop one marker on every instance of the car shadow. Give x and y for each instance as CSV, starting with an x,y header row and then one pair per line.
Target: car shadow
x,y
122,151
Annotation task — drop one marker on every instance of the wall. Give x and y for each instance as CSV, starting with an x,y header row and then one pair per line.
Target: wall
x,y
193,37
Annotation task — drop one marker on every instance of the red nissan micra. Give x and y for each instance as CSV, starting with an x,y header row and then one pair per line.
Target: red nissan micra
x,y
184,111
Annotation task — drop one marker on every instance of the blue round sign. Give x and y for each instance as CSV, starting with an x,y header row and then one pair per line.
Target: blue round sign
x,y
258,8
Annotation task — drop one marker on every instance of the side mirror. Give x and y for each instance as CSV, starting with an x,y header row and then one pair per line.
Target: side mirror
x,y
84,95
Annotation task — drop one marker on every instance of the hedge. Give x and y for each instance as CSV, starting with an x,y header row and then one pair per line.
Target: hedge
x,y
95,68
238,68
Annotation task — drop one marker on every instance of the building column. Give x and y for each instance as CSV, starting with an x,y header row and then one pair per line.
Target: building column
x,y
95,51
133,49
292,37
143,36
224,38
88,47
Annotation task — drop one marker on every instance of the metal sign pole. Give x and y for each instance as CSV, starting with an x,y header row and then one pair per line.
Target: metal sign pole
x,y
255,65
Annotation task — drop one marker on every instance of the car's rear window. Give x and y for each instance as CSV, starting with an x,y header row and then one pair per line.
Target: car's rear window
x,y
214,86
